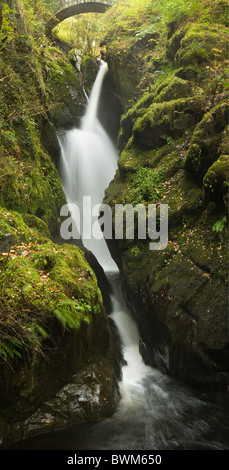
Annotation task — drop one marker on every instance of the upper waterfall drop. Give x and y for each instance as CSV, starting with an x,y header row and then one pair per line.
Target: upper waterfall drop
x,y
90,119
88,164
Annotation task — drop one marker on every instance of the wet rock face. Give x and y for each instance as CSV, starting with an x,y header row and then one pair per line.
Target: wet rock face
x,y
88,397
187,337
173,151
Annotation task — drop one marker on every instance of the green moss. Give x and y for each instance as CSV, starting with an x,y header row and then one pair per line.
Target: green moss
x,y
38,224
67,267
175,88
215,181
41,283
29,181
202,42
131,159
220,12
185,200
204,145
89,71
166,120
173,44
160,283
146,185
21,229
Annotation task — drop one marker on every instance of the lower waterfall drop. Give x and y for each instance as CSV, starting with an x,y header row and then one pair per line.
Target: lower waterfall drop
x,y
155,412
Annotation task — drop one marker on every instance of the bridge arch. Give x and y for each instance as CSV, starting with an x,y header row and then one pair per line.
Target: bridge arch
x,y
76,7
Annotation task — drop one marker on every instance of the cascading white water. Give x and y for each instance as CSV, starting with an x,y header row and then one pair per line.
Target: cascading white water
x,y
154,412
89,162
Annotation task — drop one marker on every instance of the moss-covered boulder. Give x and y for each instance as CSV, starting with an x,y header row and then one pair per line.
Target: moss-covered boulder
x,y
202,43
53,322
175,88
216,181
65,99
166,120
89,71
30,182
206,141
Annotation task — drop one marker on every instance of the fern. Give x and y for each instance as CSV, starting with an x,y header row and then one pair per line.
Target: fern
x,y
9,347
218,227
67,314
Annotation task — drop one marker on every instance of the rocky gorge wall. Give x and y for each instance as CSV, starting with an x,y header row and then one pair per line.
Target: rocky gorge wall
x,y
58,362
173,149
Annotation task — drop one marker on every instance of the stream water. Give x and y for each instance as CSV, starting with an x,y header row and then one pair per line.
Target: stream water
x,y
155,411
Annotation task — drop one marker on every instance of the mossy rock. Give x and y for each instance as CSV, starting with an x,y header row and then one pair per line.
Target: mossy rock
x,y
202,43
220,12
184,199
174,42
128,119
17,229
49,140
49,283
39,224
181,294
215,181
175,89
30,182
89,71
124,66
167,120
132,159
72,55
43,279
205,144
61,116
65,99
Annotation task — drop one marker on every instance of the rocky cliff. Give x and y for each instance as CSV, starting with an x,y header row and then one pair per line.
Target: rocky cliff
x,y
55,340
173,149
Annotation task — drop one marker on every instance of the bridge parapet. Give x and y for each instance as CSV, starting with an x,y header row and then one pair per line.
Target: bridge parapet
x,y
67,3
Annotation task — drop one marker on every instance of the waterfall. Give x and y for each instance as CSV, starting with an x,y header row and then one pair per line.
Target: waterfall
x,y
89,162
154,411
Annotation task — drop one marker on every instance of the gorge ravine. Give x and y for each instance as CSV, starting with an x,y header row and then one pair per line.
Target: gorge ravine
x,y
154,411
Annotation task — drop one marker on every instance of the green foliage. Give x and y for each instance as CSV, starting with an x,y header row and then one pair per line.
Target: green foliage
x,y
10,347
135,250
146,185
7,32
144,30
176,10
35,14
83,32
220,225
41,284
141,17
66,314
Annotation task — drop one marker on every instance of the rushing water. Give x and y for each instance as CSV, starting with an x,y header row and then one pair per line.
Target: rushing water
x,y
155,412
89,162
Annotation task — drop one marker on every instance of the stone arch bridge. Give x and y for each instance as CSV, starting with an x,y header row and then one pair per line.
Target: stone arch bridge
x,y
76,7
